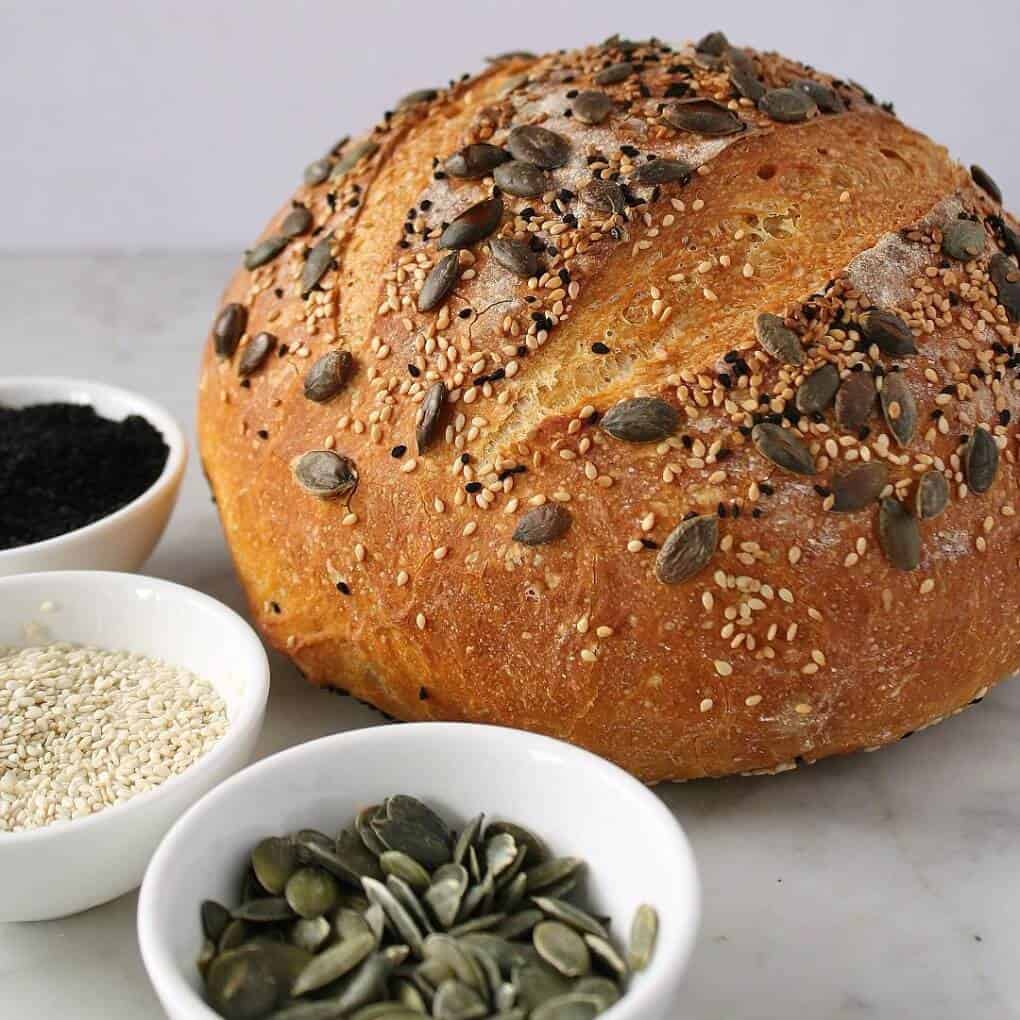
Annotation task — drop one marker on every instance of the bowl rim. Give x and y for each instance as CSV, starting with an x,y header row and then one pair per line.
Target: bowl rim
x,y
173,989
157,416
255,694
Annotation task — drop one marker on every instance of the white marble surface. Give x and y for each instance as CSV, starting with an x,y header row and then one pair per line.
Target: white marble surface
x,y
883,885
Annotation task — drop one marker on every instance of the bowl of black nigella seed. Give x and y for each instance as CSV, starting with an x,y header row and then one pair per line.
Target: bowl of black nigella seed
x,y
89,475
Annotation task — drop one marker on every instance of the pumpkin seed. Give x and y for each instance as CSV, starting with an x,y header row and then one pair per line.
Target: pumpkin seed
x,y
570,915
549,872
274,860
500,852
474,224
254,353
478,900
571,1006
410,997
349,923
310,933
537,850
511,55
368,982
984,181
513,895
416,97
519,924
416,829
501,950
515,256
542,524
233,936
318,263
859,487
396,913
468,837
297,222
228,329
215,918
328,376
533,144
747,84
715,44
332,963
818,390
435,398
317,172
456,1001
445,892
788,106
641,420
888,331
898,408
264,911
855,400
606,992
592,106
932,496
1005,278
980,461
703,117
478,924
603,949
206,955
603,196
644,931
405,896
536,982
783,447
325,473
778,340
393,862
353,155
265,251
349,859
615,73
661,171
899,535
449,951
476,160
440,281
525,180
1010,238
963,240
311,892
241,985
687,549
826,98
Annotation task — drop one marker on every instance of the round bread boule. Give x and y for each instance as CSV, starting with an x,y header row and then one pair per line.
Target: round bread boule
x,y
587,502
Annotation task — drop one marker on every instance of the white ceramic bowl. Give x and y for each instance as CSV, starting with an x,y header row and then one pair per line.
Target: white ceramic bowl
x,y
580,803
69,866
124,539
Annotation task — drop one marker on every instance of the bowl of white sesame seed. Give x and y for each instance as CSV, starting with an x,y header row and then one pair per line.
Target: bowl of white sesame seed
x,y
123,699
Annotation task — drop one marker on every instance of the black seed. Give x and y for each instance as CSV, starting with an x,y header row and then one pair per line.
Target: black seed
x,y
932,496
325,473
473,224
515,256
229,328
320,259
855,400
896,394
615,73
859,487
963,240
818,390
687,549
592,106
477,160
328,376
317,172
297,222
254,352
703,117
431,406
980,460
522,179
984,181
533,144
439,282
826,98
783,447
661,171
599,348
1006,279
788,106
778,339
640,420
603,196
899,535
543,524
265,251
888,332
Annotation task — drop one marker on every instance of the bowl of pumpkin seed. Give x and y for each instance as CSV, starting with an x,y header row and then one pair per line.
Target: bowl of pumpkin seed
x,y
449,870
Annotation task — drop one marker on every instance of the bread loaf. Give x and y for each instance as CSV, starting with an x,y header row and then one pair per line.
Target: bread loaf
x,y
659,399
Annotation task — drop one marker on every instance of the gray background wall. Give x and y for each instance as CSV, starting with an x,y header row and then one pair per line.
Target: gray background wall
x,y
160,125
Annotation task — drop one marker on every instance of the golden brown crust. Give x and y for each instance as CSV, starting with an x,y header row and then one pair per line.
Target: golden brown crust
x,y
799,639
